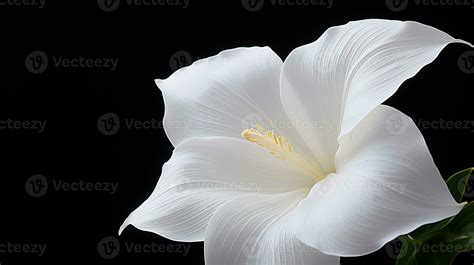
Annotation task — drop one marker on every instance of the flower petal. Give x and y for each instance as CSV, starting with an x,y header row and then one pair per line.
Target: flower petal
x,y
386,185
259,229
204,173
224,95
348,71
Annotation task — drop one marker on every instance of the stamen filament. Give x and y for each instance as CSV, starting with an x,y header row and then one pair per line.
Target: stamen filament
x,y
278,146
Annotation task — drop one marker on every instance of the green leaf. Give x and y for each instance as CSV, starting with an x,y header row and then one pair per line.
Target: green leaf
x,y
457,186
455,238
442,246
407,255
440,243
457,183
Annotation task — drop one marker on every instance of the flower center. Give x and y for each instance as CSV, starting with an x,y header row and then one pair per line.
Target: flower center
x,y
281,148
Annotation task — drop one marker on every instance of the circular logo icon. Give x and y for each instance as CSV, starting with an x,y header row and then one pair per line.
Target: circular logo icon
x,y
467,187
108,247
36,186
397,124
36,62
253,5
466,62
180,59
394,249
396,5
469,230
326,187
252,119
250,248
108,124
108,5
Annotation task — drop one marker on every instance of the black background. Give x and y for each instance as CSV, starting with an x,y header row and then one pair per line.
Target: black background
x,y
143,39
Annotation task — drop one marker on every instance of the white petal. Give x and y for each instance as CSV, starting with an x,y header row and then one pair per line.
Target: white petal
x,y
386,185
204,173
348,71
259,230
226,94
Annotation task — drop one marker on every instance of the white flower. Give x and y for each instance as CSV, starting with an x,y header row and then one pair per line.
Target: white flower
x,y
325,173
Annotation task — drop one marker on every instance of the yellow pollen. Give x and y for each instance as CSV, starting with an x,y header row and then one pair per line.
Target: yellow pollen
x,y
278,146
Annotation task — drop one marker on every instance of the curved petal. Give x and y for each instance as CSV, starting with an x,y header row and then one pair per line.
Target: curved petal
x,y
386,185
348,71
225,94
259,229
204,173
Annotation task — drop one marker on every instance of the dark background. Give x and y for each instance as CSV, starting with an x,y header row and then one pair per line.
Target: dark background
x,y
144,40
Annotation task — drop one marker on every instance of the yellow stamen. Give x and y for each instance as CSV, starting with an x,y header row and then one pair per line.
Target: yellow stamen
x,y
281,148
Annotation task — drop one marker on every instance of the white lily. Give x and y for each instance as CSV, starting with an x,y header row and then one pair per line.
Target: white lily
x,y
289,190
